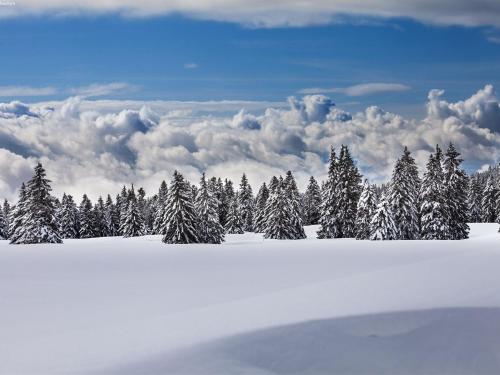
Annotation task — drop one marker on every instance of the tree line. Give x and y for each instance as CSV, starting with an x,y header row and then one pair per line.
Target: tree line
x,y
434,207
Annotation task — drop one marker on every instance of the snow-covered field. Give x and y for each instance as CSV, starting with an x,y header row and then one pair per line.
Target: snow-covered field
x,y
249,306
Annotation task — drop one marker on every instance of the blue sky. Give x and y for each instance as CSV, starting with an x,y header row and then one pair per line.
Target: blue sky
x,y
173,57
203,86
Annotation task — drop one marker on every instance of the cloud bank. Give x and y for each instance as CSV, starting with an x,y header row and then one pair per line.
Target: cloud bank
x,y
97,146
262,13
26,91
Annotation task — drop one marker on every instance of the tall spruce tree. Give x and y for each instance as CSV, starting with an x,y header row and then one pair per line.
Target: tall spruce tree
x,y
234,224
312,202
329,220
456,185
181,222
382,226
68,218
260,218
87,227
123,206
349,192
434,215
294,208
246,204
209,228
404,197
367,206
279,224
39,222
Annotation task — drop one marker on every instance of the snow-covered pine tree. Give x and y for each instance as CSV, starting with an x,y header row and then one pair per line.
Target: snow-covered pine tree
x,y
122,204
7,214
142,208
39,220
234,224
349,192
474,200
489,202
220,195
294,208
456,185
68,218
98,218
279,225
86,217
181,222
329,221
498,202
382,226
16,227
260,218
4,226
246,204
194,192
312,202
133,225
404,197
110,218
434,217
367,206
159,214
209,228
273,184
227,200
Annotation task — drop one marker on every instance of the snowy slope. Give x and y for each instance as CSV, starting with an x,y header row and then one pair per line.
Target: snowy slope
x,y
136,305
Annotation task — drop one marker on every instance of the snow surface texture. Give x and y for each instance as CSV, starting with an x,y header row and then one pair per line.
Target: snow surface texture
x,y
252,306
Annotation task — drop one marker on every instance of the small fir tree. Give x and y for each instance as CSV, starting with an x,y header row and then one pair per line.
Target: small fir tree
x,y
68,219
382,226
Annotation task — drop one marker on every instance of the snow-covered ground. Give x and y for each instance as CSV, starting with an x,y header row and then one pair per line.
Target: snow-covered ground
x,y
252,306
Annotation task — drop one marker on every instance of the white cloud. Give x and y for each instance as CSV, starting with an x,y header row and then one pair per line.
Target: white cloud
x,y
97,146
191,65
278,13
99,89
14,91
359,90
494,39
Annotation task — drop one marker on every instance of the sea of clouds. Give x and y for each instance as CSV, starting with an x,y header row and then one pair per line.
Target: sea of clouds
x,y
97,146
